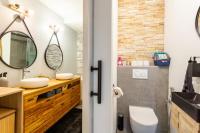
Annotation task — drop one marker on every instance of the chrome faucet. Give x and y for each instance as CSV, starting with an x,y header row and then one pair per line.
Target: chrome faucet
x,y
23,72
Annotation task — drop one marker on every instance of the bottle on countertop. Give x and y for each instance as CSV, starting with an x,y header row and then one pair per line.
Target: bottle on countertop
x,y
119,61
3,80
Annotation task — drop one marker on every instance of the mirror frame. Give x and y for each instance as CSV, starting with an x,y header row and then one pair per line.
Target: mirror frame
x,y
28,37
58,45
197,23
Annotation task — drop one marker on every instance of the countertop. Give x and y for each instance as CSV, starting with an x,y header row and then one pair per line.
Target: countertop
x,y
52,83
5,91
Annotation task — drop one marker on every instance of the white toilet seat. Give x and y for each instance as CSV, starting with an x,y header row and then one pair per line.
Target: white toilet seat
x,y
143,115
143,119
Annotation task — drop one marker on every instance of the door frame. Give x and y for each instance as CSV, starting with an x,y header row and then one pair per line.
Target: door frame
x,y
91,31
87,62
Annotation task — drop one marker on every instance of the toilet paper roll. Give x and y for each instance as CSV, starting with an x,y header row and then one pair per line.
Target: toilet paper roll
x,y
118,92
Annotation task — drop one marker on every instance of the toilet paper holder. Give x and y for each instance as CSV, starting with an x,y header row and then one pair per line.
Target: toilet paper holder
x,y
116,93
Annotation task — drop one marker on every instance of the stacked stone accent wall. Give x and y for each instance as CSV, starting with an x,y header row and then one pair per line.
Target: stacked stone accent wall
x,y
140,29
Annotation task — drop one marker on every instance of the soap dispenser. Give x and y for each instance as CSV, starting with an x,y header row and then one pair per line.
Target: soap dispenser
x,y
3,80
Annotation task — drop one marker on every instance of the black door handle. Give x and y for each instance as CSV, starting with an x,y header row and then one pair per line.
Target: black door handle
x,y
98,93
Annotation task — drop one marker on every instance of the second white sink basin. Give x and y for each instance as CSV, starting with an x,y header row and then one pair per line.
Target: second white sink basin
x,y
31,83
64,76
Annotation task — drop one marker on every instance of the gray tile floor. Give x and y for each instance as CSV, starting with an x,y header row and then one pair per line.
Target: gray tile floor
x,y
70,123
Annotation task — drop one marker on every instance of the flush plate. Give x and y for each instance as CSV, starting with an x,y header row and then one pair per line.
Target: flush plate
x,y
140,73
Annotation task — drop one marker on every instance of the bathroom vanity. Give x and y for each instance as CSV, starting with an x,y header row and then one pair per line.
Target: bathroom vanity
x,y
182,122
11,110
44,106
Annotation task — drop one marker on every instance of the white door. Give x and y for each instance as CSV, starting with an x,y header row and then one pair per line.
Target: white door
x,y
100,42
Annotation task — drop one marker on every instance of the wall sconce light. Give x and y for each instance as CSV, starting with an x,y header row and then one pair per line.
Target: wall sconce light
x,y
21,10
54,27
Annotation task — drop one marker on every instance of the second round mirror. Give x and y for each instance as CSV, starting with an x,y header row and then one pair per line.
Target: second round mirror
x,y
53,54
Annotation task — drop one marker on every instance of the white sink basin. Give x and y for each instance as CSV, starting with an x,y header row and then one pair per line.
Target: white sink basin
x,y
31,83
64,76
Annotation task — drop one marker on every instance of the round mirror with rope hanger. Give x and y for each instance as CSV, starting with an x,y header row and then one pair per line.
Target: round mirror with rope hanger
x,y
17,49
53,53
197,22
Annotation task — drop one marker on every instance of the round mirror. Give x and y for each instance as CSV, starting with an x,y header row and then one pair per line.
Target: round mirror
x,y
53,56
197,23
17,50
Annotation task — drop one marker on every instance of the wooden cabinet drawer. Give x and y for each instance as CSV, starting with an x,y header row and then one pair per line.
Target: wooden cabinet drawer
x,y
36,111
76,90
174,116
174,122
62,97
7,125
174,110
75,97
75,100
28,102
38,126
185,126
7,120
61,108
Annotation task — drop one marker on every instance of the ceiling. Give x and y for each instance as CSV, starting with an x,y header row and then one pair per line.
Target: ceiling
x,y
70,10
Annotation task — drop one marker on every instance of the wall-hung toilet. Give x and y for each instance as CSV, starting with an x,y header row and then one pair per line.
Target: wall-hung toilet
x,y
143,119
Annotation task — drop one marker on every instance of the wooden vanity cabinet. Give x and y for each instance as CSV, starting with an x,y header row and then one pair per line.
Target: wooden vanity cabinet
x,y
11,110
7,120
182,122
41,113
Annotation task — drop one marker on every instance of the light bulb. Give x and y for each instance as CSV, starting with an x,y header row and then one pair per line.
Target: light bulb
x,y
29,12
54,27
22,15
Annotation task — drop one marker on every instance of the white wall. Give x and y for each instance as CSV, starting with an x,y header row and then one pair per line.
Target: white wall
x,y
79,53
69,51
181,39
39,27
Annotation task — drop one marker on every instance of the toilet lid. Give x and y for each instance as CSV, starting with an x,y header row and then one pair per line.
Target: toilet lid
x,y
143,115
